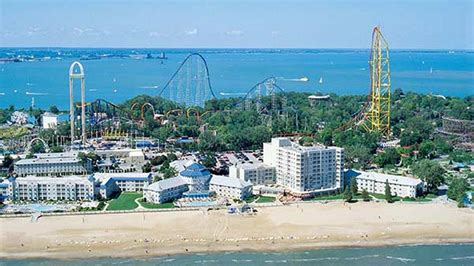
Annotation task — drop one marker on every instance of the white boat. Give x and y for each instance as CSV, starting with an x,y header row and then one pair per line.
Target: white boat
x,y
321,80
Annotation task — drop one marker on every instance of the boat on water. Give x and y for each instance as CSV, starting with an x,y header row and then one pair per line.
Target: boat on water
x,y
321,80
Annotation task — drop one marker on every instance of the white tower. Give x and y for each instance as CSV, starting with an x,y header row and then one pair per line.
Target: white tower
x,y
80,76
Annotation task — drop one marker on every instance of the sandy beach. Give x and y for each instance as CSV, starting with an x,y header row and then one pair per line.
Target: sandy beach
x,y
301,226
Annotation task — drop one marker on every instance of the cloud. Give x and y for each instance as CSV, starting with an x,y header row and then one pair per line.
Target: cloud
x,y
192,32
234,33
35,31
154,34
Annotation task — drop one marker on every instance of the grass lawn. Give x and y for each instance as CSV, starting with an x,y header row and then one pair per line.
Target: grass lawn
x,y
148,205
126,201
265,199
329,197
251,198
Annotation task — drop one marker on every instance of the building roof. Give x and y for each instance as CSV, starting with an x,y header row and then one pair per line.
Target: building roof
x,y
229,181
104,177
195,170
253,166
48,160
53,180
180,165
394,179
167,184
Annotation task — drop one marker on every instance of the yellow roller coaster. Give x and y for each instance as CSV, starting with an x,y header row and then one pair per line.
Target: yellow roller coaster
x,y
374,116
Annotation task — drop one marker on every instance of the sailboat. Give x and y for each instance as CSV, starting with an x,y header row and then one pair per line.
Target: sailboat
x,y
321,80
431,70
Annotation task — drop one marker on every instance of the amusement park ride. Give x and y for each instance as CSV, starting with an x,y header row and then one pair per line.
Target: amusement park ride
x,y
374,116
190,86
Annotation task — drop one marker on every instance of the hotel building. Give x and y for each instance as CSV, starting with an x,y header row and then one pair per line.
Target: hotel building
x,y
256,173
34,188
305,170
111,183
196,180
52,164
230,187
401,186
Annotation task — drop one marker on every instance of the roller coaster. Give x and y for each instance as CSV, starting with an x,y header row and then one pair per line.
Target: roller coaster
x,y
374,116
103,116
190,84
267,88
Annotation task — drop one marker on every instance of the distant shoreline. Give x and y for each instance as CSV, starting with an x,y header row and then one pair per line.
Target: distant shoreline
x,y
284,228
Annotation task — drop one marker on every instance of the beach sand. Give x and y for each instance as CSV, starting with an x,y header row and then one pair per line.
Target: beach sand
x,y
297,226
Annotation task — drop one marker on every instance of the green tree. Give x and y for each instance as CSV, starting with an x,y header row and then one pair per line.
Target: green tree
x,y
354,188
53,109
209,160
457,188
209,142
430,172
347,195
8,162
158,160
388,192
365,195
146,168
389,157
427,149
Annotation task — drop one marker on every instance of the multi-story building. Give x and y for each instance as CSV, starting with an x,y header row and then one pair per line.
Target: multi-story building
x,y
33,188
256,173
49,120
230,187
197,180
111,183
305,169
401,186
166,190
53,164
6,189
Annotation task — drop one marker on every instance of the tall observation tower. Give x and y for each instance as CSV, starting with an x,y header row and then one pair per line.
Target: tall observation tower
x,y
72,76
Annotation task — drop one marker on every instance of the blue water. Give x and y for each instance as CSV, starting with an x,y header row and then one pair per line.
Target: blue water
x,y
231,71
455,254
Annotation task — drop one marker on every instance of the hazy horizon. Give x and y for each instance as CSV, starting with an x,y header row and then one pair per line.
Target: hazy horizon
x,y
281,24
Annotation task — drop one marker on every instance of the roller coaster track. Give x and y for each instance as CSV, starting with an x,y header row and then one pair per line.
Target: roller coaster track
x,y
374,115
188,97
271,88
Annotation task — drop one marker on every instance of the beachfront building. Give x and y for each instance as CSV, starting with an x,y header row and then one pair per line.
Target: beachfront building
x,y
230,187
197,182
256,173
305,170
53,164
6,189
166,190
108,184
34,188
401,186
197,177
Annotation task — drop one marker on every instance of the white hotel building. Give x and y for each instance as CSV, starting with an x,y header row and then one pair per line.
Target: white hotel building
x,y
52,164
305,169
401,186
256,173
34,188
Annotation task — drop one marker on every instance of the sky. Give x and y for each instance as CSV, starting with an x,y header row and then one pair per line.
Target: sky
x,y
415,24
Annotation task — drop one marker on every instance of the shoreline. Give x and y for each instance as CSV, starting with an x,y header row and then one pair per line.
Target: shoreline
x,y
296,248
310,226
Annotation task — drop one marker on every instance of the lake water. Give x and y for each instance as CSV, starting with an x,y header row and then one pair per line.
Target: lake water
x,y
231,71
452,254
